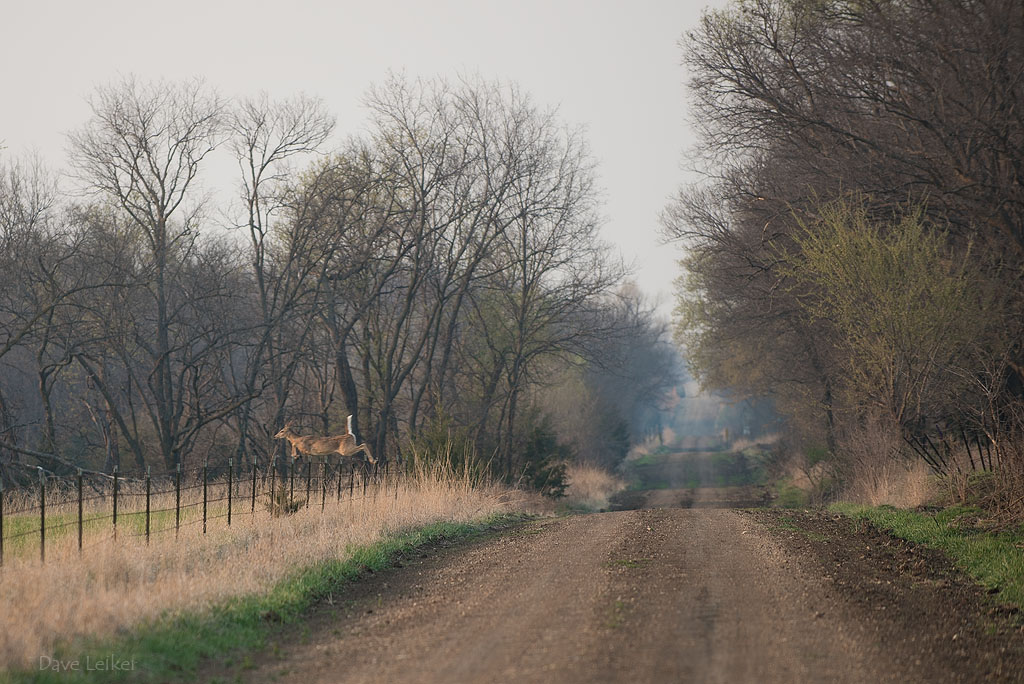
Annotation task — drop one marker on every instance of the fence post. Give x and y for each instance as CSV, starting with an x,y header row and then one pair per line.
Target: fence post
x,y
1,522
323,485
339,478
309,479
291,482
351,482
148,479
229,491
115,502
177,500
206,465
79,483
42,516
253,510
273,477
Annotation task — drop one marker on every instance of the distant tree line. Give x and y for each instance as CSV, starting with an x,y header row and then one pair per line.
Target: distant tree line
x,y
444,266
856,247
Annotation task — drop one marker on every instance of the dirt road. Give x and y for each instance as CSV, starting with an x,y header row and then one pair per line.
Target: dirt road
x,y
665,595
681,588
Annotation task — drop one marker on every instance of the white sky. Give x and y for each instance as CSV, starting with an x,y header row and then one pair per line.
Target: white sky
x,y
612,66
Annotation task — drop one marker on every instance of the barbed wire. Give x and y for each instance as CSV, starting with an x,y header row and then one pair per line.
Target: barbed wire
x,y
176,482
195,520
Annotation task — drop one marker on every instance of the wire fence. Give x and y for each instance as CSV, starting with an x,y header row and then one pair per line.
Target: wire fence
x,y
98,507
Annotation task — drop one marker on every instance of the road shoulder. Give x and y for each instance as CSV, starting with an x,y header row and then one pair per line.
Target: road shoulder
x,y
933,619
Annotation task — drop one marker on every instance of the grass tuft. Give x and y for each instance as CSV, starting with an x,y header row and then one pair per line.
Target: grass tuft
x,y
788,495
590,487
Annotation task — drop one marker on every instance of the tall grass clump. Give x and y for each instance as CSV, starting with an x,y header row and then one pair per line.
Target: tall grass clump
x,y
876,470
590,487
442,449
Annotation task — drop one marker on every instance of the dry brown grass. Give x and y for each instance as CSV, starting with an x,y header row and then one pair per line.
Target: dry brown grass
x,y
1008,504
999,492
590,487
116,584
877,471
891,482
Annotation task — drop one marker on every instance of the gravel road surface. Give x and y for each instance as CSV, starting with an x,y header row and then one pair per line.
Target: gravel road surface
x,y
654,595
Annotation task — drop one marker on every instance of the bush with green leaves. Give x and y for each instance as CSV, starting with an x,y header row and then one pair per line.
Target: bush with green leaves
x,y
543,460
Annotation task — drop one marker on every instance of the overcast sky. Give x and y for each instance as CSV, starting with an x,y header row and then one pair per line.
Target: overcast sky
x,y
611,66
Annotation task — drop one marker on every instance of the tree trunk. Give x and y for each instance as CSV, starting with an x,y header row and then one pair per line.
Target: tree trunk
x,y
347,384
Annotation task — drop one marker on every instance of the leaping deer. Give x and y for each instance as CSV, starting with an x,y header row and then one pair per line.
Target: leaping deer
x,y
344,445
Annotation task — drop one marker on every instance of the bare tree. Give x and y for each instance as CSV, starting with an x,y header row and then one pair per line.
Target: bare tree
x,y
31,255
434,267
143,150
266,138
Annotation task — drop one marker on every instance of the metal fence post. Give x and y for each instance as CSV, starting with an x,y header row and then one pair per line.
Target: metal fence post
x,y
309,479
291,483
323,485
42,516
339,478
253,510
177,500
79,483
148,479
1,522
115,502
229,491
206,465
273,477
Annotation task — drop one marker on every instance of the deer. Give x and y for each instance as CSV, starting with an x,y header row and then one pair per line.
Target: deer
x,y
344,445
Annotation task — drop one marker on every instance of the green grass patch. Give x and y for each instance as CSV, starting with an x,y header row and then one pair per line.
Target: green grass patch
x,y
616,614
789,496
648,459
172,648
643,485
994,559
627,563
